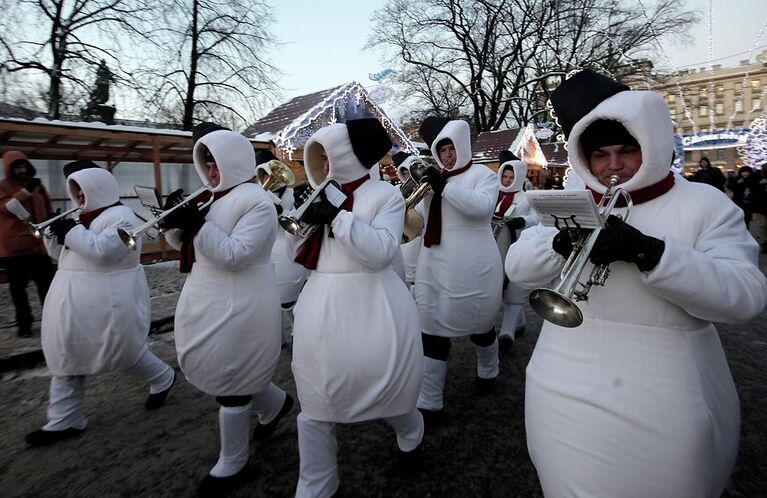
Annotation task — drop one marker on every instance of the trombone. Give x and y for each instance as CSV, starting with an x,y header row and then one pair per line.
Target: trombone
x,y
558,305
130,238
278,173
414,221
293,222
37,229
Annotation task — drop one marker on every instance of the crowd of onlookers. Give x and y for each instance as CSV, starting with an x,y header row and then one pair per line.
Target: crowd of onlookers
x,y
746,188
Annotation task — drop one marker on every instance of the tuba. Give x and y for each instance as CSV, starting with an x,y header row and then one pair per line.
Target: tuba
x,y
278,173
558,305
293,222
414,221
37,229
130,238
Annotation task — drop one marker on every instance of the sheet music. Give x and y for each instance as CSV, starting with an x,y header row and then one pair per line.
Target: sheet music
x,y
572,205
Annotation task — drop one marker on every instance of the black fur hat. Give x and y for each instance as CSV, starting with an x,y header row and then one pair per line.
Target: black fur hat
x,y
204,128
264,156
369,139
506,156
400,157
580,94
604,132
78,165
431,127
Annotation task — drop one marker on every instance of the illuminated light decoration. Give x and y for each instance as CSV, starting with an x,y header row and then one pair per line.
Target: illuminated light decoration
x,y
675,70
294,136
739,91
333,118
711,87
528,148
754,150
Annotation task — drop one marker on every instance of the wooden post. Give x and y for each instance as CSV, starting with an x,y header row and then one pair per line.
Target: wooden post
x,y
158,184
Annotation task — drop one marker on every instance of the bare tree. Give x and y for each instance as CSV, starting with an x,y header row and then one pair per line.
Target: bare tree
x,y
212,62
62,39
504,56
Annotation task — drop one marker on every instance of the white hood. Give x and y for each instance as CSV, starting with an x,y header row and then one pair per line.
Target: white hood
x,y
98,185
405,165
235,158
344,165
645,115
520,175
459,132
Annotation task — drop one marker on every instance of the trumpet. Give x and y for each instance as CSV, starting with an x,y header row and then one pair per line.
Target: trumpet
x,y
278,173
130,238
37,229
414,221
293,222
558,305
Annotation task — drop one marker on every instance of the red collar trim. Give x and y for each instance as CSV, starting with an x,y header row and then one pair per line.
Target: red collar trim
x,y
643,194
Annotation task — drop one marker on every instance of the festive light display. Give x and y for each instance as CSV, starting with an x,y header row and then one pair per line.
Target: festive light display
x,y
352,95
754,152
739,91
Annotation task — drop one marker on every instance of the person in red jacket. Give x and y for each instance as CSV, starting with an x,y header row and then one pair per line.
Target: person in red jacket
x,y
21,254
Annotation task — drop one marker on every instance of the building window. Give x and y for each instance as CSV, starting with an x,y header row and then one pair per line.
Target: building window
x,y
756,104
703,111
719,90
672,100
719,108
755,84
738,105
703,92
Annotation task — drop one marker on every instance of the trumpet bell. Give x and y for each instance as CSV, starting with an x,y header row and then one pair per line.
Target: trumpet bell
x,y
126,238
556,308
280,173
290,225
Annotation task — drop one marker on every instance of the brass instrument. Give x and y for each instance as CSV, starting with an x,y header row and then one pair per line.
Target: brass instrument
x,y
130,238
278,173
557,305
413,221
37,229
293,222
497,223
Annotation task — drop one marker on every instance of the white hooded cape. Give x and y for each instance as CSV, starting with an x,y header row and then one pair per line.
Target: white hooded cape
x,y
357,351
639,400
458,282
96,313
228,320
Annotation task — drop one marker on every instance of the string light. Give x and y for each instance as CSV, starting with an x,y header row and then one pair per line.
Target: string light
x,y
739,91
754,152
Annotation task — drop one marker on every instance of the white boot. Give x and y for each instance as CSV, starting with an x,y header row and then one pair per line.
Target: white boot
x,y
234,426
433,384
487,361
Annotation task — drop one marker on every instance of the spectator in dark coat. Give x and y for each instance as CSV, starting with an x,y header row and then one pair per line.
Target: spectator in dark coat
x,y
747,192
709,174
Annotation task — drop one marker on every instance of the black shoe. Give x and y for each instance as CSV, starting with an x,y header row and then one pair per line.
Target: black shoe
x,y
505,343
410,463
45,438
215,487
519,332
484,386
263,431
432,418
156,400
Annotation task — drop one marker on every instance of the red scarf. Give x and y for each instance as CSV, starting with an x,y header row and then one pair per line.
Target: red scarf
x,y
87,218
643,194
505,199
186,255
309,252
433,234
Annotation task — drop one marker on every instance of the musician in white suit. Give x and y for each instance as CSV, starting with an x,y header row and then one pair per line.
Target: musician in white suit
x,y
227,321
513,213
96,314
356,347
638,400
411,249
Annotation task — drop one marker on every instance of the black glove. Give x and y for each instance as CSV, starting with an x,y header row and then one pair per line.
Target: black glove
x,y
321,212
32,184
173,198
53,215
619,241
278,207
185,218
435,179
563,243
60,228
516,223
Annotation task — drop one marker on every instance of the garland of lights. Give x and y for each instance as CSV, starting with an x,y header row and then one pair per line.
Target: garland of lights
x,y
312,120
711,86
739,91
754,152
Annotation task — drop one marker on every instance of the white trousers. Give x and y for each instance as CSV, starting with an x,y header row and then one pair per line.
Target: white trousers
x,y
514,299
65,405
487,361
317,448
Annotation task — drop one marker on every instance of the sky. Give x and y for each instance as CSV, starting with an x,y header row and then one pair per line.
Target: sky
x,y
323,40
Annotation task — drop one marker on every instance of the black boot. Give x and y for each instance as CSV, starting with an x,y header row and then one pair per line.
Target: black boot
x,y
432,418
410,463
156,400
484,386
505,343
45,438
263,431
215,487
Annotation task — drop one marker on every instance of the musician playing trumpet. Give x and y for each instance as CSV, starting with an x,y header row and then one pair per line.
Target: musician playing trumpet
x,y
96,315
513,214
638,400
